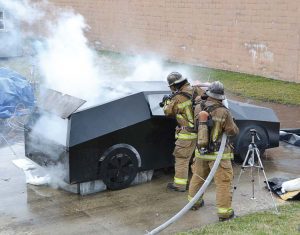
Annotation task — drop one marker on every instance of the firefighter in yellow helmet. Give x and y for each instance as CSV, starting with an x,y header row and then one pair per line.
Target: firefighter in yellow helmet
x,y
213,120
180,106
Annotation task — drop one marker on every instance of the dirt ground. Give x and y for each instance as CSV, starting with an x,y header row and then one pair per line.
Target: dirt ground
x,y
27,209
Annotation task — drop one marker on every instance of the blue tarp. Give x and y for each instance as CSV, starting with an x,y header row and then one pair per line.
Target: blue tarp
x,y
14,90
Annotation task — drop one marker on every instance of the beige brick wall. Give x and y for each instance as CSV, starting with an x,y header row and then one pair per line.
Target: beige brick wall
x,y
252,36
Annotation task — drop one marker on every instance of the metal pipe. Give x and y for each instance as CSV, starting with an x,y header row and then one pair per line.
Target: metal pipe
x,y
198,194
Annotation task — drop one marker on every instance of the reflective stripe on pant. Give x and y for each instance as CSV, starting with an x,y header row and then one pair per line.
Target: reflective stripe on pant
x,y
183,152
180,181
186,136
213,156
223,180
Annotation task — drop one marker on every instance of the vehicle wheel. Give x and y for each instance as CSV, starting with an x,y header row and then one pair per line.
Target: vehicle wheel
x,y
245,139
119,168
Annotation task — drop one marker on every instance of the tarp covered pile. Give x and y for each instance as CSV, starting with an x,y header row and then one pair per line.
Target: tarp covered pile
x,y
15,90
291,136
286,189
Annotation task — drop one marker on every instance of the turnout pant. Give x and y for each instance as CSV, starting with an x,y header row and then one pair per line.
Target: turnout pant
x,y
223,180
183,152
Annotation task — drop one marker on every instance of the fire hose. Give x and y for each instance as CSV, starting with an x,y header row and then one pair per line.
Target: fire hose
x,y
198,194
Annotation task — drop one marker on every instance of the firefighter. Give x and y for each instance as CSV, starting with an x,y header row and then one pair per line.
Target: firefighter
x,y
180,106
213,120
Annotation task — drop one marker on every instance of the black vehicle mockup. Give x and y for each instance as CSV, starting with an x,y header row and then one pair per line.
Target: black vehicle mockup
x,y
115,140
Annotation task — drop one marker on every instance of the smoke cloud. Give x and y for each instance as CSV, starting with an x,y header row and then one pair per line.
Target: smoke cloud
x,y
150,70
64,59
24,10
57,134
153,69
66,62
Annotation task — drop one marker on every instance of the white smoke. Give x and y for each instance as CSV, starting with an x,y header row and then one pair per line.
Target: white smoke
x,y
153,69
147,70
67,64
24,10
64,60
44,128
52,175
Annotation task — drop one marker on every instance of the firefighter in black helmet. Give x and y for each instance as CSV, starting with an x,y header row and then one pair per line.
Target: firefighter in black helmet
x,y
180,106
175,78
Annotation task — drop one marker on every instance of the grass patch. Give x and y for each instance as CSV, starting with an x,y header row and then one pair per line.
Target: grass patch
x,y
287,222
252,86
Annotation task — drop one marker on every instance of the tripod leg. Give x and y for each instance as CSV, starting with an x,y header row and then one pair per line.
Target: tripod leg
x,y
246,158
266,179
242,169
252,181
258,165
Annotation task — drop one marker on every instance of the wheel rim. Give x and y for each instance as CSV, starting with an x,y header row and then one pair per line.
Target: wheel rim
x,y
120,167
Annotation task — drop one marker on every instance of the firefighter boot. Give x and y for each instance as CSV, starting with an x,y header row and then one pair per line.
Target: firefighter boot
x,y
232,216
197,205
173,187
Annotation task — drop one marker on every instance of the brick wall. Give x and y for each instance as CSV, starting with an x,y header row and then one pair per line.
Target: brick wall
x,y
252,36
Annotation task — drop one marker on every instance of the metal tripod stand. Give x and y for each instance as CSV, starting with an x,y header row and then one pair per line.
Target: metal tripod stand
x,y
253,161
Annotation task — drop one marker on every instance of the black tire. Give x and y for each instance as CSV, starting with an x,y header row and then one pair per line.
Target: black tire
x,y
245,139
119,168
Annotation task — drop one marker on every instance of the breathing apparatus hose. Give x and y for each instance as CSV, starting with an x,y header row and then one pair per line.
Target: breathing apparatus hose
x,y
198,194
